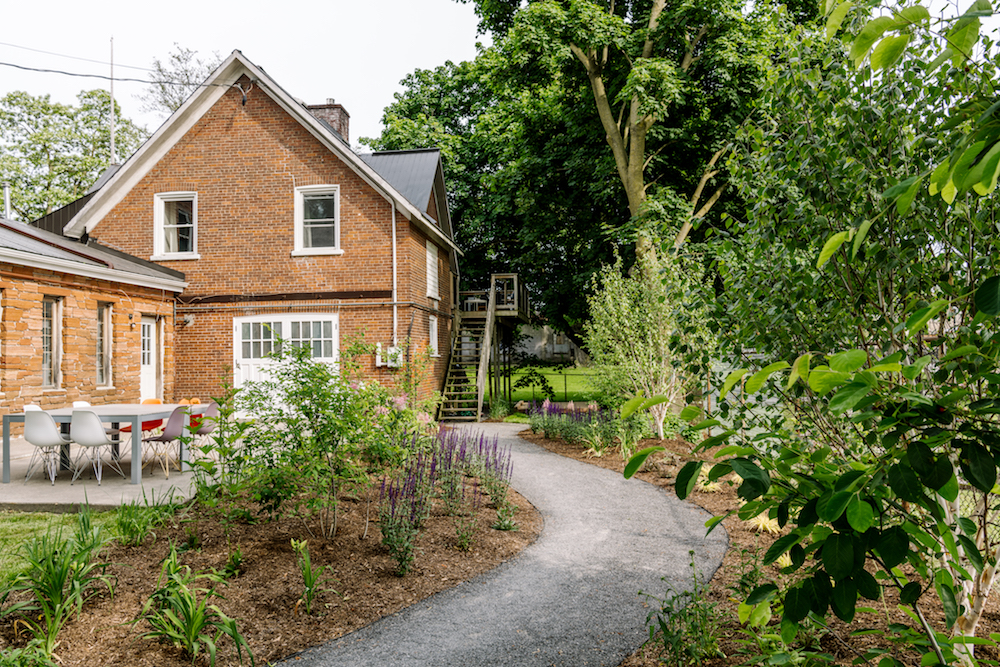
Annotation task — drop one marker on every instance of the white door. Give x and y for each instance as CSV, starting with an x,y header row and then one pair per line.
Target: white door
x,y
256,338
149,362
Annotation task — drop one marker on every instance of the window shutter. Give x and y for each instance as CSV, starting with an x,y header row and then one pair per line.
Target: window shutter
x,y
432,271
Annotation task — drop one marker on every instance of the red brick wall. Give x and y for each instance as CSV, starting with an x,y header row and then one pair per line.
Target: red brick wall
x,y
245,163
23,290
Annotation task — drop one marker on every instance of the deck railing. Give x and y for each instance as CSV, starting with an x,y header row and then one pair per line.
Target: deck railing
x,y
510,295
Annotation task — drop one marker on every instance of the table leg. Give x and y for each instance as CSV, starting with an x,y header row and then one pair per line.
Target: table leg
x,y
64,459
136,451
6,450
181,458
116,454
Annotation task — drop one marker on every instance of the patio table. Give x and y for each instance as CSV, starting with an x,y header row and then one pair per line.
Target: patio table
x,y
115,413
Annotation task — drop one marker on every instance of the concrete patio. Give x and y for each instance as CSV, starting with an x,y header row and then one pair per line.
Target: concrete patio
x,y
39,495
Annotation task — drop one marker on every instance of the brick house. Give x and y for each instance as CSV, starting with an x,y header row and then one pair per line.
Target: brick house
x,y
279,228
81,322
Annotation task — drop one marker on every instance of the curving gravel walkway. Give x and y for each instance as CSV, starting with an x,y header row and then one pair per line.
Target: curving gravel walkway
x,y
568,599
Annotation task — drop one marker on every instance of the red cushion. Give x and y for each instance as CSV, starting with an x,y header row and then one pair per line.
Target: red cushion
x,y
146,426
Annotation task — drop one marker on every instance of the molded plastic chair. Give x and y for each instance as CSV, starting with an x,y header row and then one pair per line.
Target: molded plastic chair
x,y
40,430
160,445
204,424
87,430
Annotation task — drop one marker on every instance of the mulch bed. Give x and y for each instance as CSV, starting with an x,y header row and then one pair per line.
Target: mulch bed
x,y
264,598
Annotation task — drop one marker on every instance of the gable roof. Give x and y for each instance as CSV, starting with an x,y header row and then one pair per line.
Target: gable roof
x,y
24,245
416,174
226,76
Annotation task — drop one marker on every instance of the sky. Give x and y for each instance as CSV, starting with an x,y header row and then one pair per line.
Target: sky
x,y
353,52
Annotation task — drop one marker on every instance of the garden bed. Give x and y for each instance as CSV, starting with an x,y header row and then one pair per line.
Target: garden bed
x,y
264,597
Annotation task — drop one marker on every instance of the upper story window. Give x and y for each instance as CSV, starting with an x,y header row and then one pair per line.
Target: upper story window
x,y
433,283
317,220
175,221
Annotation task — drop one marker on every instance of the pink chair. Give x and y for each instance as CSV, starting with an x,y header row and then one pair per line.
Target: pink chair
x,y
160,445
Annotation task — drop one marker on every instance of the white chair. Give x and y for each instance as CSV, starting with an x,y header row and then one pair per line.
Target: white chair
x,y
87,430
40,430
160,445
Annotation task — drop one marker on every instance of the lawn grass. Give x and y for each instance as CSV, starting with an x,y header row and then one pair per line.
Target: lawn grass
x,y
569,385
17,528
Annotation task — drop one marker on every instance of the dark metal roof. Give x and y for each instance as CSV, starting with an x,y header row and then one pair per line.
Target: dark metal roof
x,y
410,172
25,238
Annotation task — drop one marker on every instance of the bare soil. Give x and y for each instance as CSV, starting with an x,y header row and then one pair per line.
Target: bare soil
x,y
265,596
746,549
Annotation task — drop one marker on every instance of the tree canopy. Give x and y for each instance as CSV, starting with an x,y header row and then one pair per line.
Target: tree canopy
x,y
526,129
52,152
172,81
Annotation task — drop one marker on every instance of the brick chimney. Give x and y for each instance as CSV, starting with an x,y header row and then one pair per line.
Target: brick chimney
x,y
334,114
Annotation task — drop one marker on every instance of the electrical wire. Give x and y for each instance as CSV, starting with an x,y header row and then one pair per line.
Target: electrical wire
x,y
63,55
109,78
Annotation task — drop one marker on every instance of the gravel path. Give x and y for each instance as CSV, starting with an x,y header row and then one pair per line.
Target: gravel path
x,y
568,599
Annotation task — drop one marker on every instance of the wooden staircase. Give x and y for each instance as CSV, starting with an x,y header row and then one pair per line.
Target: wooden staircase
x,y
475,361
459,399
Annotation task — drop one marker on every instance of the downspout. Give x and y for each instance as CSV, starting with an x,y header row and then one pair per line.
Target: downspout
x,y
395,315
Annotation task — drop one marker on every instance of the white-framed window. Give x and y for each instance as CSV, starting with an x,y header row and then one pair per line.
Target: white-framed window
x,y
432,335
51,342
105,338
317,220
175,225
433,282
257,336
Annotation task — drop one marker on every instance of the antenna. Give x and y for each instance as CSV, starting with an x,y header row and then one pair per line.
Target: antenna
x,y
114,158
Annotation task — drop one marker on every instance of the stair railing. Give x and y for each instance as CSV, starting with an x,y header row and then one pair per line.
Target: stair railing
x,y
484,351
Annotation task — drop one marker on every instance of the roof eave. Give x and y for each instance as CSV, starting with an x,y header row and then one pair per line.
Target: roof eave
x,y
32,260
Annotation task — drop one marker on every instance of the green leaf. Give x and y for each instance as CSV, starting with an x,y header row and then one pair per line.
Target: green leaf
x,y
650,402
919,319
948,601
686,478
978,466
830,509
894,367
988,296
731,381
844,600
780,546
797,604
757,380
838,555
913,370
972,552
860,514
761,594
631,405
836,18
889,51
830,247
848,396
904,483
638,459
848,361
910,15
822,381
755,481
870,34
800,369
708,423
963,351
860,237
867,586
962,38
910,593
691,412
893,546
